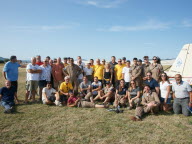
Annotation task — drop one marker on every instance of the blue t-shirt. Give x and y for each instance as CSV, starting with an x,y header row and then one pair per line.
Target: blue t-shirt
x,y
11,70
8,94
123,91
153,83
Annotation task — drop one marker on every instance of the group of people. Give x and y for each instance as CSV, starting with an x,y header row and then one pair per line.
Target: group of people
x,y
138,85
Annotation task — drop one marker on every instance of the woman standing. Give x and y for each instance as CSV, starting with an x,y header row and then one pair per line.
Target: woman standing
x,y
165,89
156,68
108,73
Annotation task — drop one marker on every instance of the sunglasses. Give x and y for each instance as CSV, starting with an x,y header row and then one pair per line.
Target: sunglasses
x,y
154,59
119,61
148,75
132,83
163,75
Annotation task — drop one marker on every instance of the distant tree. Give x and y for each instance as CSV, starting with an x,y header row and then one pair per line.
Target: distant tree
x,y
1,61
6,60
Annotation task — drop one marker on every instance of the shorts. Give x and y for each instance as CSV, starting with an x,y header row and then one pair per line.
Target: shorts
x,y
15,84
86,104
51,98
163,99
42,83
32,85
57,84
63,98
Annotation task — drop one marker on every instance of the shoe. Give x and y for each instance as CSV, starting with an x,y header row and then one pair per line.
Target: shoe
x,y
58,103
135,118
129,108
7,111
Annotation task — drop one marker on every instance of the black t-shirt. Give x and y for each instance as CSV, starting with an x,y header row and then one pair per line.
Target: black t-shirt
x,y
8,94
123,91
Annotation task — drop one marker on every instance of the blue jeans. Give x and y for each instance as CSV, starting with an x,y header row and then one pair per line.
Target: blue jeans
x,y
7,105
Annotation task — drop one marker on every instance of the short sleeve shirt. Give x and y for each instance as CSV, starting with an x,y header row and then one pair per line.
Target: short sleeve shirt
x,y
33,76
123,91
96,85
182,90
65,87
88,71
71,100
163,89
85,85
125,71
98,71
11,70
8,94
118,69
153,83
133,92
48,92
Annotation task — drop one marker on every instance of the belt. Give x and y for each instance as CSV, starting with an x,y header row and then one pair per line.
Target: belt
x,y
183,98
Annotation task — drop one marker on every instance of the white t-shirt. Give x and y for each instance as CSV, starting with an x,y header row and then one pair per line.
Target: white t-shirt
x,y
163,89
48,92
88,71
46,73
96,85
33,76
125,71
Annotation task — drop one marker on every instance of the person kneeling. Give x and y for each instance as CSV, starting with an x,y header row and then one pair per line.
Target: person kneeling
x,y
150,102
50,96
75,101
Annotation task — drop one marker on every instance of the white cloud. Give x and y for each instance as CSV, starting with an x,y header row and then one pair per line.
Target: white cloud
x,y
101,3
149,25
187,23
43,27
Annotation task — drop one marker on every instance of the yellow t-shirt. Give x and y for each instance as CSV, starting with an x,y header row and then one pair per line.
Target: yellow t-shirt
x,y
92,66
118,71
98,71
124,65
65,65
66,87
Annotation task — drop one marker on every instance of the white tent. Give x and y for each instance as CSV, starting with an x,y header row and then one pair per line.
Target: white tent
x,y
183,64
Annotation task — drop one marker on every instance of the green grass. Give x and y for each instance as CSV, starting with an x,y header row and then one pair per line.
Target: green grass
x,y
37,123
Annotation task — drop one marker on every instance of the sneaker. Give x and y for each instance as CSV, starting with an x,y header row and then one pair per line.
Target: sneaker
x,y
7,111
58,103
129,108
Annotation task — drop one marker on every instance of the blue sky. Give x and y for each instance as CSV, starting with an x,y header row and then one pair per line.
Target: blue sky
x,y
94,28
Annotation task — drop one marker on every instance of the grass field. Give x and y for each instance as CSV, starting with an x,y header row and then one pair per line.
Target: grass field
x,y
37,123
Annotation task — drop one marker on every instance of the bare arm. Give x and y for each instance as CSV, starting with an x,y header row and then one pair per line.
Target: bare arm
x,y
97,89
4,75
168,93
157,90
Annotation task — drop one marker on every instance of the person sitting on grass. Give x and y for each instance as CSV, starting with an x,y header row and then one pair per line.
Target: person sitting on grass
x,y
133,95
96,86
106,94
85,88
50,96
121,94
7,95
150,103
64,90
75,101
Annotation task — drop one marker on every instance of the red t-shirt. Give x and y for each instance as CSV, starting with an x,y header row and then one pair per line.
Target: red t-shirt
x,y
72,100
39,63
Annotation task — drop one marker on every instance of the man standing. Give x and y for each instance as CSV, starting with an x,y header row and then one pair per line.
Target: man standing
x,y
135,73
38,60
45,76
125,73
73,71
10,72
7,94
182,94
118,72
145,67
112,64
33,71
57,72
98,70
